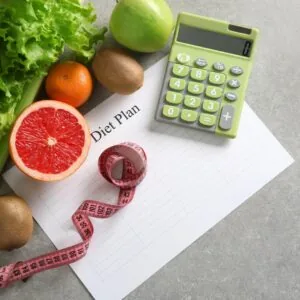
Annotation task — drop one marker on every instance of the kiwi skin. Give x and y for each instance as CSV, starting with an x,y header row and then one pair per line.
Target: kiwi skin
x,y
117,71
16,222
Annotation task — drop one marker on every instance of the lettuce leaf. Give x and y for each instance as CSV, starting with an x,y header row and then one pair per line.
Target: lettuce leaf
x,y
33,35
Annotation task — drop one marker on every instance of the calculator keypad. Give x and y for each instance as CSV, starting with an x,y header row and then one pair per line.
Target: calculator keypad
x,y
201,96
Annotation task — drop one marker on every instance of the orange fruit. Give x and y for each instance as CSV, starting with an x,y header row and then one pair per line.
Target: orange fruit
x,y
49,141
70,82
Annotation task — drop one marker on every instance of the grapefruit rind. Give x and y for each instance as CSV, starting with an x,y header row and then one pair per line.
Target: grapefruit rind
x,y
34,173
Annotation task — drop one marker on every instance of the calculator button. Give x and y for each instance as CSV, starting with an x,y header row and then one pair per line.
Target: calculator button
x,y
189,115
216,78
180,70
177,84
196,88
183,58
236,70
198,74
174,98
231,96
207,120
171,112
219,66
201,62
192,102
226,117
211,106
234,83
213,92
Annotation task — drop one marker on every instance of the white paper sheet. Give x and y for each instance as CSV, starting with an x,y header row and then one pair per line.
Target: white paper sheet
x,y
194,180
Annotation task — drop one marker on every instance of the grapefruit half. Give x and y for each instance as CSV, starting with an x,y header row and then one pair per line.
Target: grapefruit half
x,y
49,141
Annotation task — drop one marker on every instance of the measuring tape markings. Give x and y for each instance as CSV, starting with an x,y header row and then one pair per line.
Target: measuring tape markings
x,y
134,162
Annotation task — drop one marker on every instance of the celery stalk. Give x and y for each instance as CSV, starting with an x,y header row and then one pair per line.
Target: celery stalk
x,y
29,95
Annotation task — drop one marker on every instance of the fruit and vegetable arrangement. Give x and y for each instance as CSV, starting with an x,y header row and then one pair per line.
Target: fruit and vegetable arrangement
x,y
33,36
50,44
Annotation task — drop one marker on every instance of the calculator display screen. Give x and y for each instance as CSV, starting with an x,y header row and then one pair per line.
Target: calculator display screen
x,y
214,40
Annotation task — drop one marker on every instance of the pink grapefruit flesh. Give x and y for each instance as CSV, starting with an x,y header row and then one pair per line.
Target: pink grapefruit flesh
x,y
49,141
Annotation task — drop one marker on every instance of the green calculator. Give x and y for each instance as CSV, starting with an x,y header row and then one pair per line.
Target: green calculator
x,y
207,74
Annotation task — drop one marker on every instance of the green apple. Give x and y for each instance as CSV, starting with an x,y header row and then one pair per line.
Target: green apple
x,y
142,25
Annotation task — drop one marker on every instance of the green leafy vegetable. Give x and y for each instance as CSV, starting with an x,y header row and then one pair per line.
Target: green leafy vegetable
x,y
33,35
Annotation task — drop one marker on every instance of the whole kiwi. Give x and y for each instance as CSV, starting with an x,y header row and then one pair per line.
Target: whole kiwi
x,y
117,71
16,222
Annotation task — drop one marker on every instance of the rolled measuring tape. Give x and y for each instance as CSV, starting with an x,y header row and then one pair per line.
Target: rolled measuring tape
x,y
134,161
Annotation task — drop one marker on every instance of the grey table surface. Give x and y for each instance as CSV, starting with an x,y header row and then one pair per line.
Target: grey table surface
x,y
254,253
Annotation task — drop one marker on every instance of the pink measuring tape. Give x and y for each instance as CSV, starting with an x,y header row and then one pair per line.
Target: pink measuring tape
x,y
134,170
